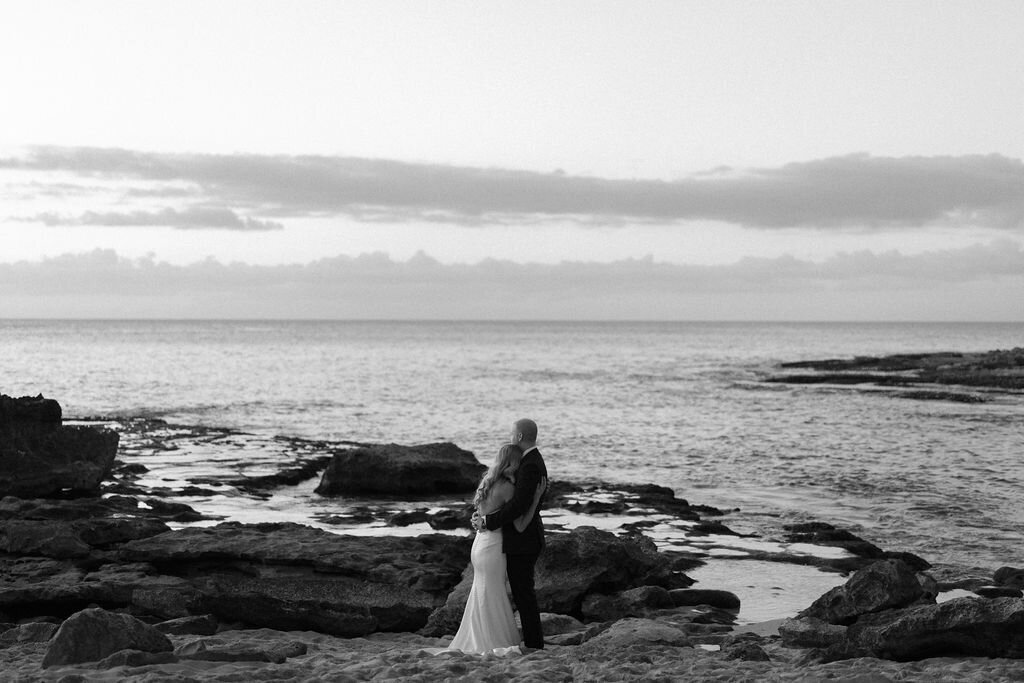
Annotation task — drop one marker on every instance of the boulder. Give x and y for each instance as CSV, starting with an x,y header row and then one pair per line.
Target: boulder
x,y
883,585
962,627
40,457
1009,576
93,634
588,560
391,469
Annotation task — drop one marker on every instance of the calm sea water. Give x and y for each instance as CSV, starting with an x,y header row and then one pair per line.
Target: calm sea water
x,y
680,404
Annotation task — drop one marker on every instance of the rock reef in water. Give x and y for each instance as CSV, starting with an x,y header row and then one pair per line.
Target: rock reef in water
x,y
1000,369
39,456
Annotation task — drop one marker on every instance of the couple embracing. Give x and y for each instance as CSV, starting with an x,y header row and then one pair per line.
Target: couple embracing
x,y
509,539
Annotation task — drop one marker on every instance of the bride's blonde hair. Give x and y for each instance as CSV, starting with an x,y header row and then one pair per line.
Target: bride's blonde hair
x,y
505,464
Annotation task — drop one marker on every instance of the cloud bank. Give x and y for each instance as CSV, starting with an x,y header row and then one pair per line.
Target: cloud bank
x,y
981,282
848,192
191,218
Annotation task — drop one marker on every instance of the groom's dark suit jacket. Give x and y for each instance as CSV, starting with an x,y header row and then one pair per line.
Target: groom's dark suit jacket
x,y
531,540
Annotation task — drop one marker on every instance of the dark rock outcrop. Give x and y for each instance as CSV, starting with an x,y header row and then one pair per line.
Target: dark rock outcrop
x,y
93,634
1009,576
41,457
883,611
29,418
391,469
289,576
886,584
963,627
592,561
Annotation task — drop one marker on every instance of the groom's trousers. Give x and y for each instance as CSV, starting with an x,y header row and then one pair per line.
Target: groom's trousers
x,y
520,580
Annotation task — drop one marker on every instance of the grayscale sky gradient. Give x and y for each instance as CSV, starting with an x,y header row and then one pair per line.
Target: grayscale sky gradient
x,y
710,160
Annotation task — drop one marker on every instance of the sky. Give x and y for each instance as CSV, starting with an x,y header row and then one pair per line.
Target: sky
x,y
621,160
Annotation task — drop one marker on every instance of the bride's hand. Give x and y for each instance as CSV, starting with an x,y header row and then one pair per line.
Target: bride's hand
x,y
476,521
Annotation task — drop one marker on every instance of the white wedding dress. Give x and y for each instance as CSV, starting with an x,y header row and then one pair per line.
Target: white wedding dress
x,y
488,625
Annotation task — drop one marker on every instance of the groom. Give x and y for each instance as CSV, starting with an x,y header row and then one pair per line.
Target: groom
x,y
522,548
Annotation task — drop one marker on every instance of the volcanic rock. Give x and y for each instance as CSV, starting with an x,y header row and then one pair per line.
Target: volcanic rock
x,y
289,576
963,627
92,634
40,457
391,469
1009,576
886,584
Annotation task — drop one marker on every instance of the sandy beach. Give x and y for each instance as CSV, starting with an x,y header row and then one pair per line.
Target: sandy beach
x,y
394,657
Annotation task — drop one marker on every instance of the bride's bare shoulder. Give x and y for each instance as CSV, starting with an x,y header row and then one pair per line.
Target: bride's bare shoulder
x,y
500,494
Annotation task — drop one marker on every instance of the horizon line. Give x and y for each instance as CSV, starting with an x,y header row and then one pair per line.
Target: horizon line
x,y
4,319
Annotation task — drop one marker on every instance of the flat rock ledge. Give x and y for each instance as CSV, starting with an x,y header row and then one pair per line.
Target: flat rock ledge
x,y
999,369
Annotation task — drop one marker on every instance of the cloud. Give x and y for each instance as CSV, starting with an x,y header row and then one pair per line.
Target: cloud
x,y
192,218
849,192
102,283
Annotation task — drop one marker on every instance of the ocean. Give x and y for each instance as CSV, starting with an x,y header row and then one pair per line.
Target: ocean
x,y
681,404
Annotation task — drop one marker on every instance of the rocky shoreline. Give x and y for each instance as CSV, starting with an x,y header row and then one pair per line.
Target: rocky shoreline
x,y
105,579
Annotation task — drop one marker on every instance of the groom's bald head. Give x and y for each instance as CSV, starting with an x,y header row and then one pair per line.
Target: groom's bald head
x,y
524,431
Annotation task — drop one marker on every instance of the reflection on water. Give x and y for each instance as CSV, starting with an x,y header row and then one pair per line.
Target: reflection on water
x,y
767,590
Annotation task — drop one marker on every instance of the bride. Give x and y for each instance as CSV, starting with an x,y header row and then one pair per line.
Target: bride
x,y
488,625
